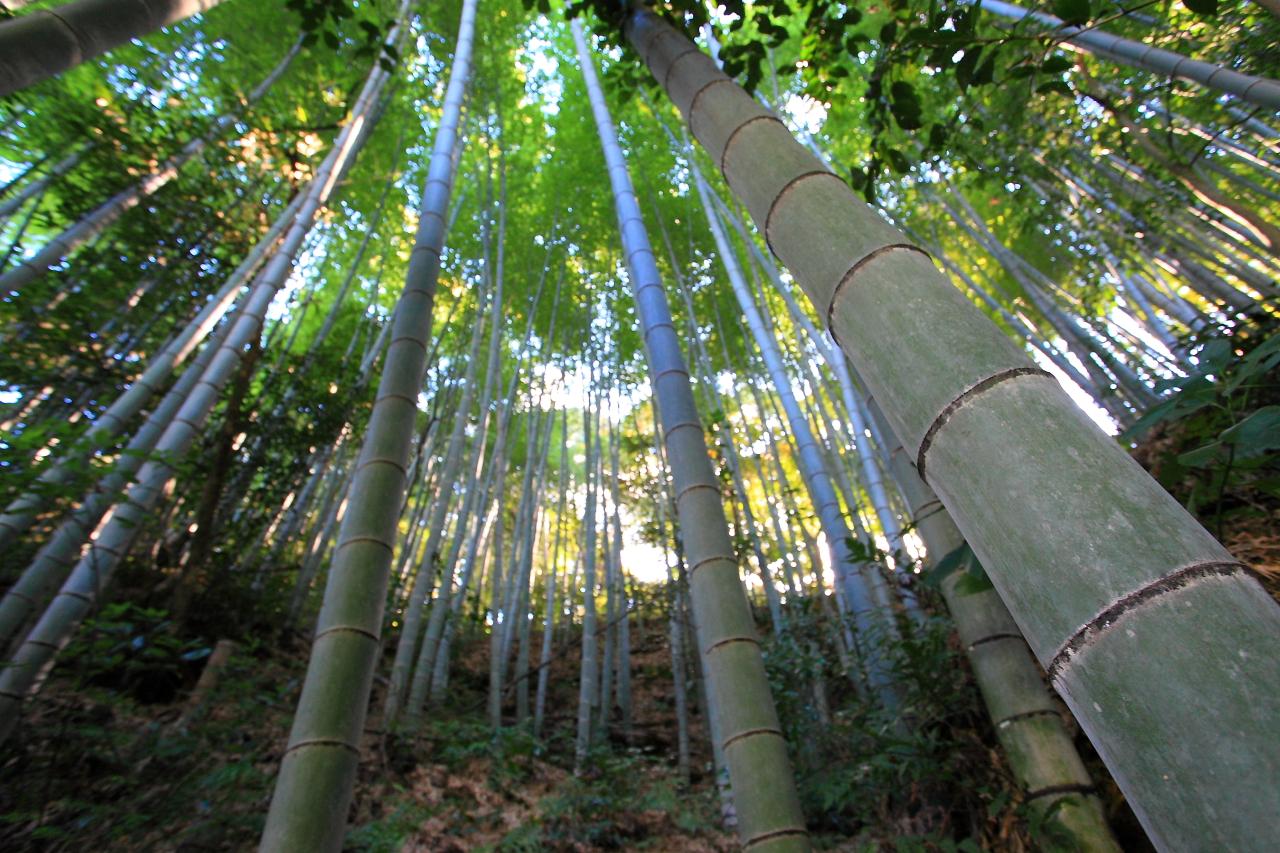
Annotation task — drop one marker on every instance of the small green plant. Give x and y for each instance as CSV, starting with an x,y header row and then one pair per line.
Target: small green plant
x,y
526,838
388,834
132,649
917,772
1213,442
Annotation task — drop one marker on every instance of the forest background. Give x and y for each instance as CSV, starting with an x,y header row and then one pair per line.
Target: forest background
x,y
212,227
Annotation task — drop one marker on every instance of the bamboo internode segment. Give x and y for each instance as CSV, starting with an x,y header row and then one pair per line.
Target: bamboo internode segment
x,y
313,791
1026,720
768,808
47,42
865,593
92,573
1178,693
56,557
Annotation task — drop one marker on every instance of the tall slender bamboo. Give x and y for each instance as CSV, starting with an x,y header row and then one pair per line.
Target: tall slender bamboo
x,y
444,605
1096,562
1259,91
309,807
623,665
768,807
1055,783
406,648
92,573
38,186
855,576
733,460
835,359
549,622
675,601
59,554
587,673
22,510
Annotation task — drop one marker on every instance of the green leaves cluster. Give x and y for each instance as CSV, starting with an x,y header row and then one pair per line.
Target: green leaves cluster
x,y
1216,439
324,20
133,649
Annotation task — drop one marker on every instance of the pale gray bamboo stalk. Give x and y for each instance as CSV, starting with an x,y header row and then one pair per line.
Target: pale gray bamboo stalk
x,y
587,672
22,511
91,574
319,765
496,581
852,575
441,611
537,513
440,671
82,589
507,607
1020,325
830,353
407,647
59,554
767,805
788,495
525,512
1234,210
862,589
675,629
622,666
1056,786
548,622
309,807
38,186
733,460
330,518
313,535
1133,388
608,652
1260,91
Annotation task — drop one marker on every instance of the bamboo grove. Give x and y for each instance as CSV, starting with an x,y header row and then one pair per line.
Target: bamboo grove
x,y
817,345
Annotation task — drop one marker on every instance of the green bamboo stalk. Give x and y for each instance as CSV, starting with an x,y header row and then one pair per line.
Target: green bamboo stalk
x,y
92,574
1055,784
96,220
56,558
767,805
22,511
406,648
1099,566
309,808
587,672
1260,91
858,578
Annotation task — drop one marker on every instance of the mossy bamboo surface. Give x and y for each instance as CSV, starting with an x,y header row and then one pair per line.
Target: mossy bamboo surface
x,y
1164,647
1055,784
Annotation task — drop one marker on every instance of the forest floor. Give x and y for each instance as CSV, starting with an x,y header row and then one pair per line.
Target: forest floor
x,y
103,760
